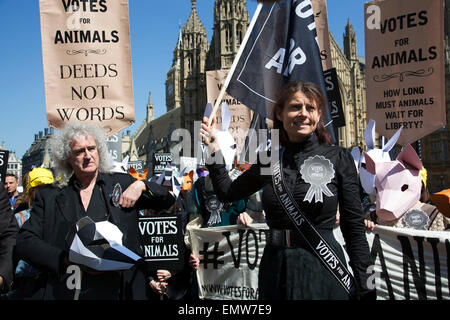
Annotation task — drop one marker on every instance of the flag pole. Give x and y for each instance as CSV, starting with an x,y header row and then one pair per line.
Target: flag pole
x,y
235,62
249,138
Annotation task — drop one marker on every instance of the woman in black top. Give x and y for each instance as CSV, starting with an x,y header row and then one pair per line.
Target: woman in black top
x,y
290,269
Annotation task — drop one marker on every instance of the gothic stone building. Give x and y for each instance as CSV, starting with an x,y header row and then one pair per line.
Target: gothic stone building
x,y
193,56
435,147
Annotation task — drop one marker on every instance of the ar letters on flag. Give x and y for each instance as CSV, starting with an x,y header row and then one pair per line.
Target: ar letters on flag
x,y
282,47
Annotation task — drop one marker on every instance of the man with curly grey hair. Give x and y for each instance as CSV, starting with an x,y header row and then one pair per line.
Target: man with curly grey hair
x,y
84,187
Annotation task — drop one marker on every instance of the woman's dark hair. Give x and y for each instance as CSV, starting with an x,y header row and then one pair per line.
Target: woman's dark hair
x,y
313,93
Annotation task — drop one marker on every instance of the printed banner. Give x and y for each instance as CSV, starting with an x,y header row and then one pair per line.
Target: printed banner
x,y
87,63
241,116
4,156
408,264
162,242
229,261
405,67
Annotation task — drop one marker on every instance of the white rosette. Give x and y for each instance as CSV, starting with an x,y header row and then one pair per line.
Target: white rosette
x,y
318,171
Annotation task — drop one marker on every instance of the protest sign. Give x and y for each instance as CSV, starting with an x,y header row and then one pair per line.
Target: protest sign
x,y
323,33
138,165
4,155
114,144
188,164
160,160
329,73
241,116
406,263
334,97
405,84
229,261
87,63
162,241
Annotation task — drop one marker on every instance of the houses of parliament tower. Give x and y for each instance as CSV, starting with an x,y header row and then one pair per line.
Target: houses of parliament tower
x,y
186,96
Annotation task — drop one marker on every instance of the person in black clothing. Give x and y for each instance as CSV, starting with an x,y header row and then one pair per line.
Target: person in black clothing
x,y
290,269
8,231
86,188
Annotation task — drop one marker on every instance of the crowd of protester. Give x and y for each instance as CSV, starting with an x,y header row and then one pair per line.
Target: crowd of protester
x,y
83,182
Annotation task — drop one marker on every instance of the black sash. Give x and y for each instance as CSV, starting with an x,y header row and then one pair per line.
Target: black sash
x,y
306,229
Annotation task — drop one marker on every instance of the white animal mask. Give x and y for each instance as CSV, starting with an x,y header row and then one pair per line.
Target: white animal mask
x,y
398,183
224,138
120,167
170,177
377,155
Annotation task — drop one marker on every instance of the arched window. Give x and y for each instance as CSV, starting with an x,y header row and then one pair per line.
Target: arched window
x,y
228,37
239,34
189,63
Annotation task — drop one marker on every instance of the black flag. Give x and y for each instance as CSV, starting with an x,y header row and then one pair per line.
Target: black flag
x,y
281,47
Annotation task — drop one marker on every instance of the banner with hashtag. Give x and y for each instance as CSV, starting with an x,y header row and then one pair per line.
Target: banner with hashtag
x,y
407,264
229,261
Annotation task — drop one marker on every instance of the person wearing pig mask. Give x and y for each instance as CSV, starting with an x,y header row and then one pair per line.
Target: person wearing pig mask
x,y
405,179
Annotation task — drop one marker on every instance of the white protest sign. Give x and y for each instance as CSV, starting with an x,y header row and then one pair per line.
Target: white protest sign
x,y
229,261
87,63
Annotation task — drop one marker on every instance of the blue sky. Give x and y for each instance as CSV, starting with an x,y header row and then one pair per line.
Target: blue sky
x,y
154,32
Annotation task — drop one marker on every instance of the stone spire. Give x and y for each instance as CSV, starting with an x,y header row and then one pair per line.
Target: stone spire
x,y
180,37
231,20
134,156
350,49
177,54
194,24
150,108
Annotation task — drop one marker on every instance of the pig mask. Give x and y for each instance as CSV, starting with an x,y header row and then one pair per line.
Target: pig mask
x,y
377,155
397,183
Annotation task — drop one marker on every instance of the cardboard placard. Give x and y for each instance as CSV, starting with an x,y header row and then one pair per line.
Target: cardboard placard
x,y
162,242
405,72
138,165
160,160
87,63
241,116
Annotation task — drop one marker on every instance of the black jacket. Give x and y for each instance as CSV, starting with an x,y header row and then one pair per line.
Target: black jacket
x,y
8,232
343,185
41,240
